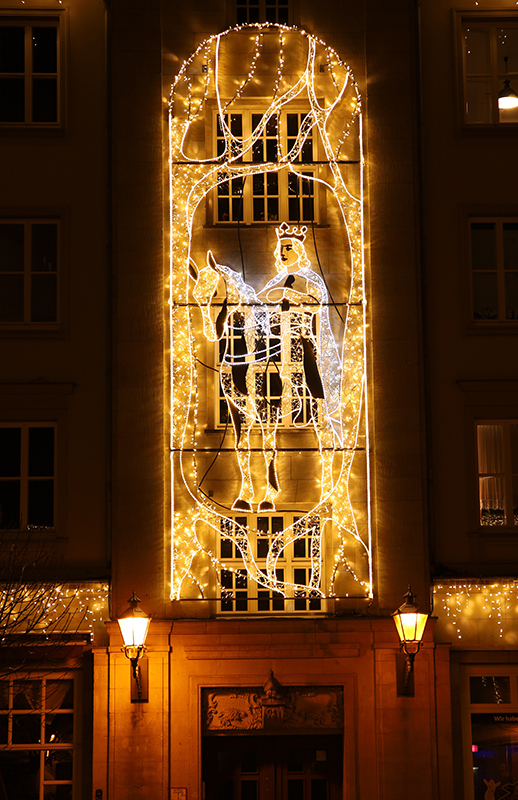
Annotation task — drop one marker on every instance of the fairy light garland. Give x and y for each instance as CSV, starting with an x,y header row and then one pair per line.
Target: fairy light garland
x,y
53,609
196,519
476,612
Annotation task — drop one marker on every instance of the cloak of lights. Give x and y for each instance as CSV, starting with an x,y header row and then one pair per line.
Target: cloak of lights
x,y
283,323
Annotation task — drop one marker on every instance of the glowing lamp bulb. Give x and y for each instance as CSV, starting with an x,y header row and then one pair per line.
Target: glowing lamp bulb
x,y
410,624
134,624
507,98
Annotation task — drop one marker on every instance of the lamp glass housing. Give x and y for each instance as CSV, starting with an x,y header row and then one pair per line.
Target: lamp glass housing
x,y
134,630
410,625
507,98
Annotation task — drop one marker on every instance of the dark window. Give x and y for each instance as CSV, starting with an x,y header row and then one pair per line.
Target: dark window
x,y
29,74
27,476
494,269
28,272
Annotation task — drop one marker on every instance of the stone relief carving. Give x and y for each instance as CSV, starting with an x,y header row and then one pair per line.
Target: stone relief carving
x,y
274,708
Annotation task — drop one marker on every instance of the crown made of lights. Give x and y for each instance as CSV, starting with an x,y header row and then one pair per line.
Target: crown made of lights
x,y
284,232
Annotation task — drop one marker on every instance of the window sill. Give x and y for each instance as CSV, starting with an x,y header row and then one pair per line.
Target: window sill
x,y
15,129
31,331
492,327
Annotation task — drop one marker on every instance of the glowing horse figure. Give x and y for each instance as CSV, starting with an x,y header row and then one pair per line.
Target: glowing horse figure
x,y
279,362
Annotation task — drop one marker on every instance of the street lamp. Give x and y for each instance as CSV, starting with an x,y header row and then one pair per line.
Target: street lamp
x,y
507,97
134,626
410,624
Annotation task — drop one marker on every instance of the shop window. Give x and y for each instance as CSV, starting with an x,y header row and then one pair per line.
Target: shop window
x,y
270,195
250,11
269,543
489,51
27,476
490,732
494,269
30,91
29,270
37,744
497,449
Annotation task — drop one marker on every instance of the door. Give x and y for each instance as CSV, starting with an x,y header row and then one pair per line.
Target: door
x,y
272,767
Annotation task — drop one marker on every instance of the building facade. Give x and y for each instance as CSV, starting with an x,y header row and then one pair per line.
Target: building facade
x,y
257,274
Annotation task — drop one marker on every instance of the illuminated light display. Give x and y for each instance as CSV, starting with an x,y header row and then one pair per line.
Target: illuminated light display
x,y
477,612
268,374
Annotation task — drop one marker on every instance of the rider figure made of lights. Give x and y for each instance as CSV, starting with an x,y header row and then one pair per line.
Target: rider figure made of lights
x,y
279,362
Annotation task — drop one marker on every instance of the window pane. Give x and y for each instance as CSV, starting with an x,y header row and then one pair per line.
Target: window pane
x,y
59,694
495,753
59,728
26,729
9,505
44,247
58,766
44,306
476,46
12,48
20,770
44,100
27,695
41,504
511,295
508,115
4,729
478,100
507,39
296,789
483,245
12,100
10,452
41,452
493,689
44,49
490,440
485,296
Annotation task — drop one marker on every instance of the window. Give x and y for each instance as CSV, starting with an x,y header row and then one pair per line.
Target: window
x,y
490,714
27,475
292,564
262,11
269,196
29,72
494,269
497,447
489,50
37,737
29,254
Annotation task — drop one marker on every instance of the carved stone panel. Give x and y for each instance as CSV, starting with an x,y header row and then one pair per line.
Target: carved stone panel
x,y
272,709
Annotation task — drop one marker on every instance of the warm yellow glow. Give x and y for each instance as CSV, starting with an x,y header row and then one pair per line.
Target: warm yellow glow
x,y
304,70
134,630
410,626
511,101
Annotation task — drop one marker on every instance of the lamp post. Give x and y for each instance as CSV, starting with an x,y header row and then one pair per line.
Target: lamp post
x,y
134,626
410,624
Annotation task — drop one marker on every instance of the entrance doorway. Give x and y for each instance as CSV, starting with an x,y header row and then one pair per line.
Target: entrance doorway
x,y
272,767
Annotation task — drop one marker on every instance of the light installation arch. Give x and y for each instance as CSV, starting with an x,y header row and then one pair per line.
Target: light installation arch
x,y
268,379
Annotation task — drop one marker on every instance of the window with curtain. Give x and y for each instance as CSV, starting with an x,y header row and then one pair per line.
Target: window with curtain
x,y
497,450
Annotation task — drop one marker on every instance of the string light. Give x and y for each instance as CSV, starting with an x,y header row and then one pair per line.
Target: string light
x,y
198,523
477,612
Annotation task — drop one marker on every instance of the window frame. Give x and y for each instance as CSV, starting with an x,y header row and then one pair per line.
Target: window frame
x,y
25,478
302,167
27,325
39,18
262,12
468,708
498,220
482,19
507,474
250,593
44,747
